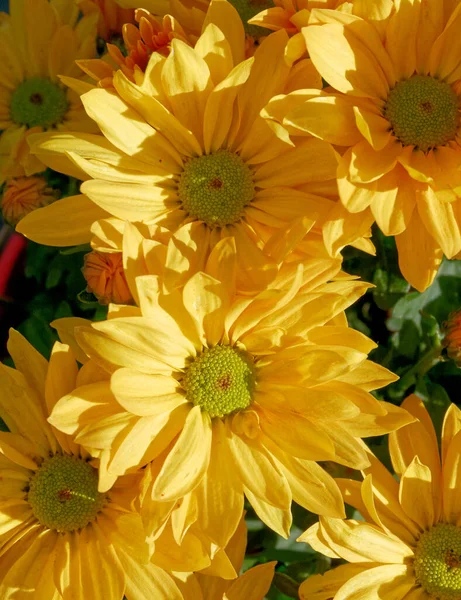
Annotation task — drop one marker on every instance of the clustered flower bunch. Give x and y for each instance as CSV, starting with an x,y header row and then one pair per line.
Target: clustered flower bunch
x,y
227,154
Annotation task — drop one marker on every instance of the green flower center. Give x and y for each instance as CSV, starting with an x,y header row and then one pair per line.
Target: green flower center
x,y
215,188
38,102
64,495
437,562
423,112
221,380
247,9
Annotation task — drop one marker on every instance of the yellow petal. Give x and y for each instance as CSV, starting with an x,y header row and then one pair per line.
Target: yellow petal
x,y
389,581
253,584
297,435
440,221
215,50
328,117
402,31
277,519
324,587
419,270
416,482
452,482
66,222
155,113
129,132
147,203
451,426
135,342
226,18
206,300
259,473
143,394
188,461
336,53
356,541
27,360
187,82
368,165
393,202
220,491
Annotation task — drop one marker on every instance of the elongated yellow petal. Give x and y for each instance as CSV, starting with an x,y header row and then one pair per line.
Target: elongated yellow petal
x,y
416,482
188,461
360,542
324,587
144,394
253,584
66,222
389,581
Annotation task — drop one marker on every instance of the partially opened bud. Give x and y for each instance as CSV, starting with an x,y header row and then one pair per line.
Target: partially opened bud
x,y
452,340
23,195
105,278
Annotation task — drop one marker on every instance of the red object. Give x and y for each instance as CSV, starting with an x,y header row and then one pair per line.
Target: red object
x,y
9,257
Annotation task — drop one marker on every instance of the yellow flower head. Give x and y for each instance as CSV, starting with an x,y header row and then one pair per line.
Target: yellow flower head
x,y
252,585
224,396
32,98
397,117
190,150
111,17
23,195
410,543
105,278
57,529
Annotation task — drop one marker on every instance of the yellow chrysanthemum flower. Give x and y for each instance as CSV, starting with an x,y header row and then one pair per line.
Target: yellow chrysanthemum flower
x,y
23,195
59,536
111,16
398,119
409,546
251,585
32,98
203,379
190,150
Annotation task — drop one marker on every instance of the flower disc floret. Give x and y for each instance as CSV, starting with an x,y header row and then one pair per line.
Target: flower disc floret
x,y
221,380
38,102
437,562
64,495
423,112
216,188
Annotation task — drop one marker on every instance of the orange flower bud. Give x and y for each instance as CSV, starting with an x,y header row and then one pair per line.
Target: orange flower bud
x,y
452,340
105,277
23,195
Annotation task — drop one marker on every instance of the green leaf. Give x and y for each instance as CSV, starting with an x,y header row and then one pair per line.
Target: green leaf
x,y
286,585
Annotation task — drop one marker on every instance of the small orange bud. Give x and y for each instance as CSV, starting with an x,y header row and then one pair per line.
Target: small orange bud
x,y
23,195
105,277
452,339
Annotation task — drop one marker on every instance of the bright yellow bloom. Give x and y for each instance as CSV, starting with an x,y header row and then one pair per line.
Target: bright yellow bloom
x,y
224,396
111,17
190,150
397,117
252,585
39,41
105,278
59,536
410,543
23,195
